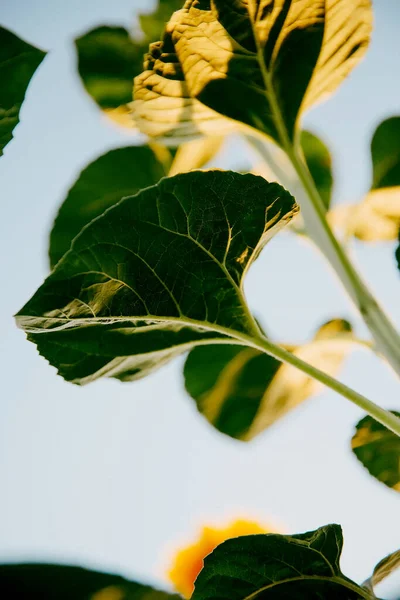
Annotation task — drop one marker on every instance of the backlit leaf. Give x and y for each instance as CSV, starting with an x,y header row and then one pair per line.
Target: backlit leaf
x,y
156,274
259,63
377,217
383,569
60,582
110,57
278,567
378,449
242,392
18,62
103,183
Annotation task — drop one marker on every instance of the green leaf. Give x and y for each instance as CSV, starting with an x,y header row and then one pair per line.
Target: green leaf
x,y
385,150
18,62
278,567
242,392
103,183
319,162
153,24
109,58
383,569
378,449
258,63
156,274
377,217
47,582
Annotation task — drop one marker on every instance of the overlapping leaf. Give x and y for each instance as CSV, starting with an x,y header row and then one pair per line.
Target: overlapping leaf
x,y
110,57
47,582
378,449
119,173
259,63
103,183
242,391
377,217
156,274
272,567
18,62
383,569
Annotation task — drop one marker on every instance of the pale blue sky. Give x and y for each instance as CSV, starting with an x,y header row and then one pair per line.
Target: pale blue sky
x,y
113,475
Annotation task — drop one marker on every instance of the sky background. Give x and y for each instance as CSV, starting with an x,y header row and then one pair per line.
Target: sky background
x,y
116,476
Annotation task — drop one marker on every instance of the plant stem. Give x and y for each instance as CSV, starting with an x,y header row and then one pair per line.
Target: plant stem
x,y
381,415
386,337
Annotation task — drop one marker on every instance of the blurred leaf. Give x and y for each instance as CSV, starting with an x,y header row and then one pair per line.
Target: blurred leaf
x,y
103,183
156,274
18,62
109,59
195,154
377,217
50,582
153,24
385,150
378,449
319,162
260,65
278,567
242,392
383,569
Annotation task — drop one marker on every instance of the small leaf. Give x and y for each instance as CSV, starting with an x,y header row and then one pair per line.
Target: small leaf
x,y
46,582
18,62
109,58
256,63
377,217
242,392
272,567
155,275
383,569
103,183
378,449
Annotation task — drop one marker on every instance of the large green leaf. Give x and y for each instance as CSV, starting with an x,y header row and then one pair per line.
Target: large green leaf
x,y
378,449
110,57
49,582
259,63
18,62
383,569
278,567
103,183
242,391
156,274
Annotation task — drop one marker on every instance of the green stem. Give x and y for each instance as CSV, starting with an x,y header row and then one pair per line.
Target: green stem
x,y
381,415
314,215
386,337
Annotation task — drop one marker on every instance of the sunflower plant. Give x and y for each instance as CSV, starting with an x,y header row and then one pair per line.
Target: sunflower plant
x,y
150,250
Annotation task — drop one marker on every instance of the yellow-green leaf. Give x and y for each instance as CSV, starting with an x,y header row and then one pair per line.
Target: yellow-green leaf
x,y
242,392
377,217
378,449
259,63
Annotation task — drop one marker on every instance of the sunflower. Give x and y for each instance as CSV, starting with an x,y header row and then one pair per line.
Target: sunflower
x,y
188,562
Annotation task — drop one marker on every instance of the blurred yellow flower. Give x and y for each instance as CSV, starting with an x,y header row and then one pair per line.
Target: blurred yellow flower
x,y
189,561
